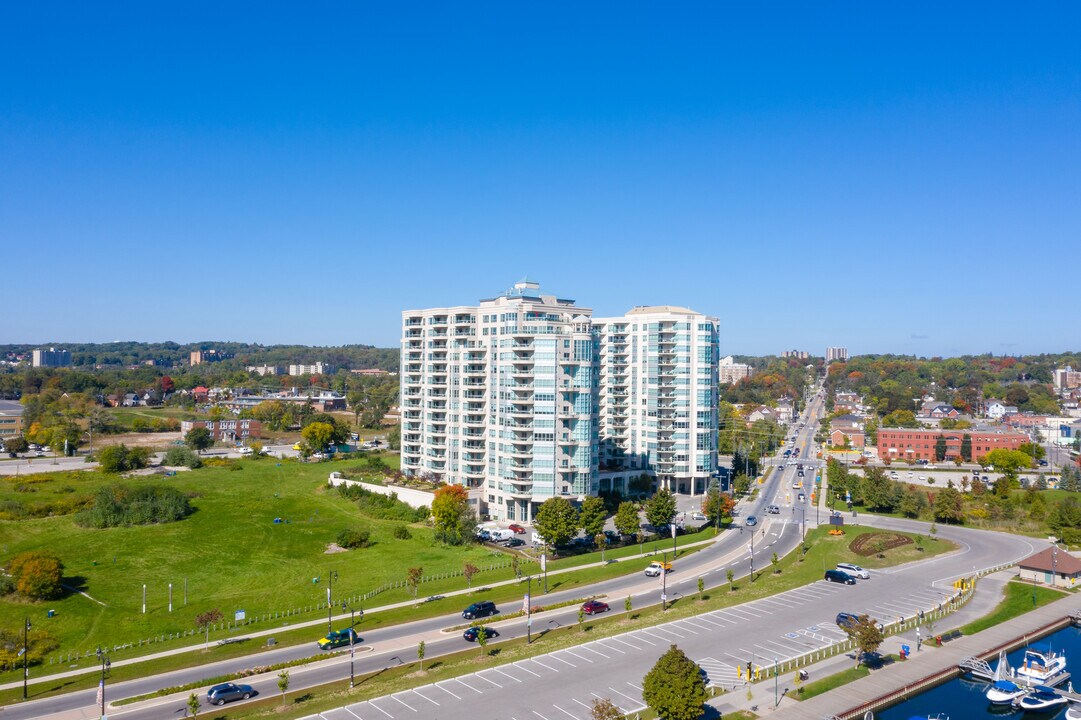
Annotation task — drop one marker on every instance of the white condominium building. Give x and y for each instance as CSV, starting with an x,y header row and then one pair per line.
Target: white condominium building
x,y
525,397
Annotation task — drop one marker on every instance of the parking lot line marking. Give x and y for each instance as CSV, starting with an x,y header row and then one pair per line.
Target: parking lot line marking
x,y
448,692
669,628
592,650
519,666
478,692
433,702
493,682
372,703
638,636
539,715
587,707
601,697
358,717
609,647
633,700
564,711
571,652
624,642
694,624
661,637
395,697
506,675
543,665
556,657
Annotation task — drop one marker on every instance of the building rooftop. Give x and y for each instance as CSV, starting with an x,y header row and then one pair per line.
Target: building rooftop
x,y
1045,560
11,407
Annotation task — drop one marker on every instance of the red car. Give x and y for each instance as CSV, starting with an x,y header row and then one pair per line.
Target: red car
x,y
517,529
594,606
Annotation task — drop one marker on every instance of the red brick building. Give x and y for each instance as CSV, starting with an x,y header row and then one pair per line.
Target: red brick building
x,y
908,444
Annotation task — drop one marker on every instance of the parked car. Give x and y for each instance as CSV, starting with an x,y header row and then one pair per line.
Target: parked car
x,y
515,542
1043,463
517,529
484,608
338,638
845,619
853,569
751,521
221,694
484,536
594,606
839,576
471,633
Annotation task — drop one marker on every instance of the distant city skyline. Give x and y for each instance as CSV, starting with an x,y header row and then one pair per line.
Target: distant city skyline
x,y
813,176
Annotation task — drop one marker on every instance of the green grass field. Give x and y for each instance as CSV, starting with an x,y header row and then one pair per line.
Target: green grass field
x,y
230,552
1019,599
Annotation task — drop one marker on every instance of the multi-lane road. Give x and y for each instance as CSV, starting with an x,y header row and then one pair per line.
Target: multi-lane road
x,y
563,683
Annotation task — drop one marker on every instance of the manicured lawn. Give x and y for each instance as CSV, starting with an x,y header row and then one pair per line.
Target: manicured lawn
x,y
1019,599
831,682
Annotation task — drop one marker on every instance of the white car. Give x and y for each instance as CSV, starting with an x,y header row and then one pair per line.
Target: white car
x,y
697,516
245,451
854,570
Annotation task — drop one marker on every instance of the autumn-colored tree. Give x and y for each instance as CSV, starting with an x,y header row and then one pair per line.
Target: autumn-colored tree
x,y
413,577
452,515
37,574
469,571
203,621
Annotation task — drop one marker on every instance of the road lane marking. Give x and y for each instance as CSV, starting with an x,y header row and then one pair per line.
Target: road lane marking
x,y
539,715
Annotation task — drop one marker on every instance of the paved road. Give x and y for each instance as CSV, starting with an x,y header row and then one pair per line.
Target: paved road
x,y
397,644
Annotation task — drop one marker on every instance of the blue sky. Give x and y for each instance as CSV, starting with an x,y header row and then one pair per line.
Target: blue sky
x,y
892,179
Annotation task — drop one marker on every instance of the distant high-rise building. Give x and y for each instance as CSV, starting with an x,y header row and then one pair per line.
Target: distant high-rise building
x,y
797,354
1067,378
731,372
836,353
198,357
318,368
264,370
526,396
51,358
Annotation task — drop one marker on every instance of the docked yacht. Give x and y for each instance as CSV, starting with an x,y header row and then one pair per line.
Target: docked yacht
x,y
1004,690
1042,666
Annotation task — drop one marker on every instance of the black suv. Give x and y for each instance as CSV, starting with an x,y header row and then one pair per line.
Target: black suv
x,y
479,610
840,576
845,620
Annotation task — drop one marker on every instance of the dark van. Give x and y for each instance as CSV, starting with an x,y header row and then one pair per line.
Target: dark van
x,y
479,610
845,620
840,576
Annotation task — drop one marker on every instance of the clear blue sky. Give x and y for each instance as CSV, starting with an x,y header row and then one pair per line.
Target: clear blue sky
x,y
902,179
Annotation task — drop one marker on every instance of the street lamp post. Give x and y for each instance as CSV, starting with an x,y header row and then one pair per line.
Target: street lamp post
x,y
330,608
752,554
101,688
673,539
529,611
26,654
352,637
664,584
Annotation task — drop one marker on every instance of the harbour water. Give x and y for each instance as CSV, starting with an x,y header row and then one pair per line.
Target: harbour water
x,y
961,699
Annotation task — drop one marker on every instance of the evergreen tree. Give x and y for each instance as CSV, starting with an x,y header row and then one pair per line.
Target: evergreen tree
x,y
966,447
674,688
940,448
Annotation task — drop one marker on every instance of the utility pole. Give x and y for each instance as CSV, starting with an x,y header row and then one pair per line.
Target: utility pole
x,y
330,608
664,584
529,611
26,654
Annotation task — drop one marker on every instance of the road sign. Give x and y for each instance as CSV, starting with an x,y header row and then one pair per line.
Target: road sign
x,y
525,603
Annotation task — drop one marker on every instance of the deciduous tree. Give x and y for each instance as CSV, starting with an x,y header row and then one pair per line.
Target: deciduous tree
x,y
592,516
203,621
867,635
37,574
198,439
626,521
453,517
556,521
661,508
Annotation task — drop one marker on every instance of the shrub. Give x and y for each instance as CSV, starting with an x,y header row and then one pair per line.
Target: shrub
x,y
401,532
37,574
182,457
352,538
120,458
7,585
117,505
382,507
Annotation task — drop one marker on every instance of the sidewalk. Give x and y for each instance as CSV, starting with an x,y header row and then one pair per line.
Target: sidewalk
x,y
922,663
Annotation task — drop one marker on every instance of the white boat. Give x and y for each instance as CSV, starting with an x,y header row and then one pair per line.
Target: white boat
x,y
1041,699
1003,690
1041,666
1073,713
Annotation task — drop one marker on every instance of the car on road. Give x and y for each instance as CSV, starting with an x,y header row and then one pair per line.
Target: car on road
x,y
594,606
923,478
801,497
839,576
225,692
893,474
517,529
698,516
471,633
338,638
484,608
853,569
751,521
772,510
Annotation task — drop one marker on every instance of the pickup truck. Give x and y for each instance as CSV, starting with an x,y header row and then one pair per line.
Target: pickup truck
x,y
656,568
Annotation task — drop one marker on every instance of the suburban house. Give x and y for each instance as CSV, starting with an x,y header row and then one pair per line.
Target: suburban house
x,y
846,401
848,428
1051,567
201,394
226,430
785,411
763,412
996,409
